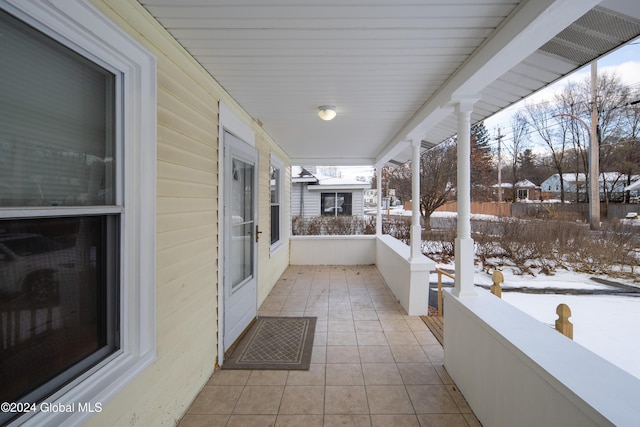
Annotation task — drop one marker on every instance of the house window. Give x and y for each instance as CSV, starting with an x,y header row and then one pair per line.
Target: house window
x,y
275,185
65,271
334,204
523,194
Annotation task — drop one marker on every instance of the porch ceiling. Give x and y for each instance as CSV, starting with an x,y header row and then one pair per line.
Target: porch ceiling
x,y
391,68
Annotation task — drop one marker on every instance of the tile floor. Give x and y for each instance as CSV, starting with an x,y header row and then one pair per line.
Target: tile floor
x,y
372,365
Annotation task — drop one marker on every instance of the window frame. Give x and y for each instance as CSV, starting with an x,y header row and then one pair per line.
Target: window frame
x,y
335,194
82,28
277,163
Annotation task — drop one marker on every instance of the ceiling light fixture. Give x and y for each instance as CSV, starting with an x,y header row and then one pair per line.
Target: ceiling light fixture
x,y
327,112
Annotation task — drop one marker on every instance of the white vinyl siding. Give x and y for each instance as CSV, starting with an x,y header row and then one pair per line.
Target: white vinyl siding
x,y
188,212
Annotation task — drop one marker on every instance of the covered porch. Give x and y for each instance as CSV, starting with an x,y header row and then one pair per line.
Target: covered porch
x,y
372,364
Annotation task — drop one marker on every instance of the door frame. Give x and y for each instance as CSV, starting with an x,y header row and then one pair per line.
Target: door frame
x,y
227,121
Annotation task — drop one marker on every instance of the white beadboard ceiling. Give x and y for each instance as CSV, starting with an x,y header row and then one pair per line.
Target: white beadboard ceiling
x,y
392,68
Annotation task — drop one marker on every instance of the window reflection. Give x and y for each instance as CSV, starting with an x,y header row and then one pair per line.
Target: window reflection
x,y
52,299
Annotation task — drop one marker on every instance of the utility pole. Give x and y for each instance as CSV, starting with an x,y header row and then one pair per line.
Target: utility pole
x,y
594,154
499,172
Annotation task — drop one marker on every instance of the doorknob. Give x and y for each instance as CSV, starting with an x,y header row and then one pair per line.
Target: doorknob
x,y
258,232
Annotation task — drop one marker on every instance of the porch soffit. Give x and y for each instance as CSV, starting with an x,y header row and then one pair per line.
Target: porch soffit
x,y
390,69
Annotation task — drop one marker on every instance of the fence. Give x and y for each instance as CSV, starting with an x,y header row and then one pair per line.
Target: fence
x,y
578,211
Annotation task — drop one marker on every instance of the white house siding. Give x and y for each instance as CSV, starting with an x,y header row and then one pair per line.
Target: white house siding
x,y
271,265
311,201
187,217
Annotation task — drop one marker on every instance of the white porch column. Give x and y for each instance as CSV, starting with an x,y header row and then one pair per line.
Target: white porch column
x,y
464,243
416,229
379,198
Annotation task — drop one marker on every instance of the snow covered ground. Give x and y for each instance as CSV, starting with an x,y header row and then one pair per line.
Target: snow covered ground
x,y
608,325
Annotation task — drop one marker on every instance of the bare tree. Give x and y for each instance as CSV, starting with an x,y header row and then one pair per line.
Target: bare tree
x,y
515,145
437,179
573,105
540,118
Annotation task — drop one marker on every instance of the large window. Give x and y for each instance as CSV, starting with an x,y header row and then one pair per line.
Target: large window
x,y
58,272
334,204
65,266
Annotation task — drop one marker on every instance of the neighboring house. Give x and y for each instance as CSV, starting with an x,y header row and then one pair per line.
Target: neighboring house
x,y
313,194
575,186
370,197
525,191
634,192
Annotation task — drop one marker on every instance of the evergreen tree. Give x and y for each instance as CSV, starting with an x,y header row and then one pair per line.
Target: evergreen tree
x,y
482,170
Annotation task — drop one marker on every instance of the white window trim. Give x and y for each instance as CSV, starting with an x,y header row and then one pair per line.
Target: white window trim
x,y
81,27
277,162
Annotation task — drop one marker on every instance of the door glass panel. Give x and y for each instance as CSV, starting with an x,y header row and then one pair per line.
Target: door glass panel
x,y
242,234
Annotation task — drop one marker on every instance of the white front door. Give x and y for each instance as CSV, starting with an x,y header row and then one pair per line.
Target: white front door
x,y
240,254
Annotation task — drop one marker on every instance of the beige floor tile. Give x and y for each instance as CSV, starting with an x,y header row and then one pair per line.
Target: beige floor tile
x,y
408,354
317,306
194,420
344,374
340,326
459,399
341,399
269,313
359,314
268,377
376,354
434,352
341,338
368,326
425,337
314,376
394,421
319,354
389,399
390,314
442,420
340,315
347,421
419,373
442,373
362,305
229,377
394,325
416,324
343,354
251,421
320,338
432,399
472,420
284,420
216,400
371,338
340,306
292,312
401,337
259,399
381,374
321,325
302,399
320,314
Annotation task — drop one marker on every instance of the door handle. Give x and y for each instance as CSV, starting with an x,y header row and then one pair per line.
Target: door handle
x,y
258,232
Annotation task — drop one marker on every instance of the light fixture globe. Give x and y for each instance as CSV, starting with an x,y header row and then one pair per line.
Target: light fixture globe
x,y
326,112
